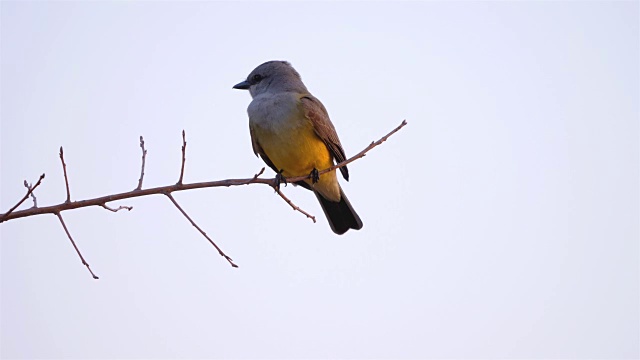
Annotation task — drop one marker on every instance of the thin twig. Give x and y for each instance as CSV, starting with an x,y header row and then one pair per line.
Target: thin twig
x,y
286,199
74,246
33,196
66,179
128,208
184,157
201,231
296,208
144,156
5,216
255,177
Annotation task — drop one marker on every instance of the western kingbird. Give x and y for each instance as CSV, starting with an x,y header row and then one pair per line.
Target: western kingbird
x,y
292,133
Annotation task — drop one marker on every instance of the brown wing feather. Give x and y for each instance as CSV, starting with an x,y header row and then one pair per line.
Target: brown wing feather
x,y
257,149
316,112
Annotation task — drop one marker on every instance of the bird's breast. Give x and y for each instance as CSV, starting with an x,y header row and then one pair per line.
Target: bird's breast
x,y
276,112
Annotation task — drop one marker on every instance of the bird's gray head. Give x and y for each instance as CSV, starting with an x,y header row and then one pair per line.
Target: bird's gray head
x,y
272,76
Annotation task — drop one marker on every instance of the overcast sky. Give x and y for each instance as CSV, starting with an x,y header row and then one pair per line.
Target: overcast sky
x,y
501,222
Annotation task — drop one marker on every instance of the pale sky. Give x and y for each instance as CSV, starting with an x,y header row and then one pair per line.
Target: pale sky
x,y
501,222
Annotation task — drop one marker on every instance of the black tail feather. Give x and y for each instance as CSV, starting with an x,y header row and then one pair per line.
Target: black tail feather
x,y
340,214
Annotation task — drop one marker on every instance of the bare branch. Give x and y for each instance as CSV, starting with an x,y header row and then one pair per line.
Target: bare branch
x,y
5,216
184,158
74,245
129,195
66,179
201,231
254,178
258,174
296,208
128,208
33,196
172,188
282,195
144,156
164,190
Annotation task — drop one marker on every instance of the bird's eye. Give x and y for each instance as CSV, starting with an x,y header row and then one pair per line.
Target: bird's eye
x,y
257,78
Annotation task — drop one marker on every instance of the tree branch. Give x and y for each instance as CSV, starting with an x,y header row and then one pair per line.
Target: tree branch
x,y
33,196
144,156
293,206
99,201
201,231
5,216
74,245
66,179
128,208
164,190
184,157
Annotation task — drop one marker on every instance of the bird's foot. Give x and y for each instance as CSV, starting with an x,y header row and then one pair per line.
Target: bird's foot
x,y
280,179
314,176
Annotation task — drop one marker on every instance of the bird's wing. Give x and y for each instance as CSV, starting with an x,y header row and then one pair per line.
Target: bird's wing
x,y
316,112
257,149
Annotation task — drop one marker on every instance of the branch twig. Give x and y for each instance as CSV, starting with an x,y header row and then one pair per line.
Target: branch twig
x,y
33,196
74,245
258,174
294,206
184,157
165,190
128,208
144,156
201,231
5,216
66,179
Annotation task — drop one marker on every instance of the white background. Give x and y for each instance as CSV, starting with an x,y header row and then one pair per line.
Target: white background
x,y
501,222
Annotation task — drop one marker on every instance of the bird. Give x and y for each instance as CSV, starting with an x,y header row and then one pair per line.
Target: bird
x,y
292,133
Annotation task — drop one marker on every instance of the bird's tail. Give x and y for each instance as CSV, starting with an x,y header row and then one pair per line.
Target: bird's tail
x,y
340,214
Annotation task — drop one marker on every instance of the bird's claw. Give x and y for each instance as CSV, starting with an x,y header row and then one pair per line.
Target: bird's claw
x,y
315,177
280,179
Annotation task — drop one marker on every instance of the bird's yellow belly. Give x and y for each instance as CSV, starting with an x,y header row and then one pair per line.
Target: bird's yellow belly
x,y
296,151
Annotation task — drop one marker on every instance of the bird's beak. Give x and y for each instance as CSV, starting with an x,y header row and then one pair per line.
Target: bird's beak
x,y
242,86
